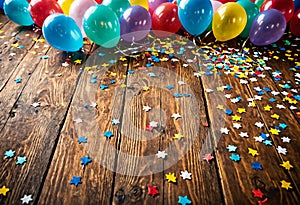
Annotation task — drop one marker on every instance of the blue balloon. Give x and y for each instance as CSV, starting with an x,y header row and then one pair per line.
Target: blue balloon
x,y
62,32
1,4
195,15
18,12
297,5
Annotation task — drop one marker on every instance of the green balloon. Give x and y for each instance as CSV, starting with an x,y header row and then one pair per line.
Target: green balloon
x,y
102,26
259,3
118,6
252,11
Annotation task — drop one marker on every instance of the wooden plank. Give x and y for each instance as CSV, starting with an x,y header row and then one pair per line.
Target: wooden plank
x,y
13,49
3,20
137,165
12,90
97,177
240,177
204,186
33,132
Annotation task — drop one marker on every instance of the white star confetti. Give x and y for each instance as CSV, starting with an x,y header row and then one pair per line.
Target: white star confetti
x,y
161,154
185,175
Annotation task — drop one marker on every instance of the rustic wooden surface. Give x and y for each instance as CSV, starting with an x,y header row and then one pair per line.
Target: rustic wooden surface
x,y
118,174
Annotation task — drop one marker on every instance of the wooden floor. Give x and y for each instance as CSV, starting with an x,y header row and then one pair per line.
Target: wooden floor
x,y
239,122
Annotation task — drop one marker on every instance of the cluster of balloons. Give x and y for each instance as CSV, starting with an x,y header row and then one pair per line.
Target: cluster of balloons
x,y
65,22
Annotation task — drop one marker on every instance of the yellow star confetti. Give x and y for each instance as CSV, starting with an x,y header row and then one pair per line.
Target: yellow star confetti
x,y
4,190
236,118
171,177
286,185
78,61
15,45
145,88
253,152
220,89
220,107
242,75
241,110
267,108
123,59
113,74
275,116
286,165
274,131
123,85
178,136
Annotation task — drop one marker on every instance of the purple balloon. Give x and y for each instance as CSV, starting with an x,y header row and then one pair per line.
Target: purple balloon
x,y
267,27
135,23
153,4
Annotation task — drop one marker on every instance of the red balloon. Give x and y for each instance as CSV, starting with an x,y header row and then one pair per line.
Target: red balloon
x,y
41,9
99,1
286,7
295,23
226,1
165,19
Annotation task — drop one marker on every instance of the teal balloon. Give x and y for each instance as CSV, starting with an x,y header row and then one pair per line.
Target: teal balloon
x,y
195,15
62,32
102,25
118,6
259,3
252,11
18,12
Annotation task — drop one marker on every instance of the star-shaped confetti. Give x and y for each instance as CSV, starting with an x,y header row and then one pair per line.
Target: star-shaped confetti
x,y
286,165
208,157
253,152
259,124
257,193
274,131
281,150
236,118
153,124
26,199
171,177
21,160
161,154
267,108
4,190
235,157
146,108
185,175
244,134
76,180
224,130
152,190
85,160
286,185
183,200
275,116
231,148
178,136
82,139
108,134
9,154
256,165
286,139
241,110
176,116
115,121
35,104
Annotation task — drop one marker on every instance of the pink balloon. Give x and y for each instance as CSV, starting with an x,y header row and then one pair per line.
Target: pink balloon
x,y
77,10
215,5
153,4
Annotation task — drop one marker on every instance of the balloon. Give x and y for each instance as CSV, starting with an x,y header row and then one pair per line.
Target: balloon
x,y
226,1
215,5
1,4
135,23
18,12
229,21
165,18
268,27
102,25
295,24
286,7
118,6
143,3
258,3
252,11
41,9
99,1
62,32
297,5
77,10
153,4
195,16
65,5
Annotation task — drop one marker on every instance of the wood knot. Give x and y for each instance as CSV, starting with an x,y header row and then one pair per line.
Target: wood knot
x,y
120,196
135,193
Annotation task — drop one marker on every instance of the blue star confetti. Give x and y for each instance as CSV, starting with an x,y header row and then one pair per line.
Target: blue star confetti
x,y
85,160
9,154
82,139
256,165
108,134
235,157
183,200
75,180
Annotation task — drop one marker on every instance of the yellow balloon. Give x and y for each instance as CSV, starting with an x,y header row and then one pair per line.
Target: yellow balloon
x,y
229,21
65,5
143,3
